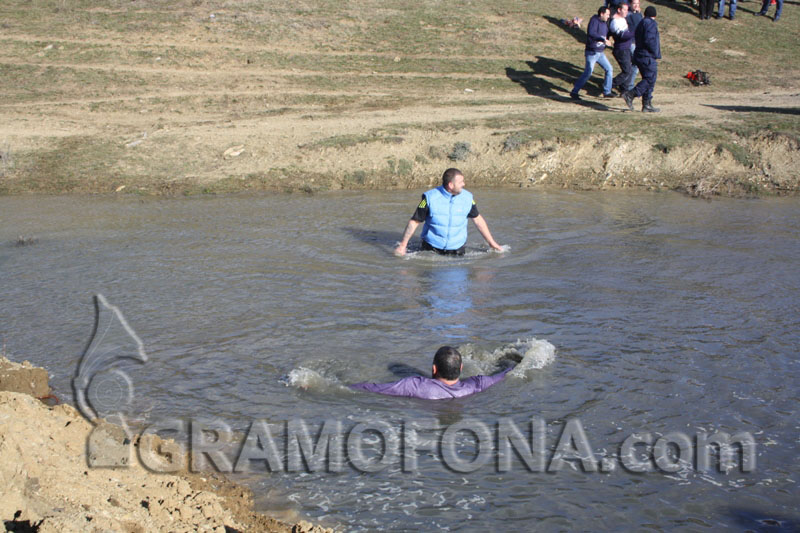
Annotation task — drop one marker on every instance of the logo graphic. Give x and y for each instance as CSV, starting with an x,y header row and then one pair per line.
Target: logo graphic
x,y
102,390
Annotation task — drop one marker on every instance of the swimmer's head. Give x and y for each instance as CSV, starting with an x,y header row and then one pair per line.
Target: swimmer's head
x,y
447,363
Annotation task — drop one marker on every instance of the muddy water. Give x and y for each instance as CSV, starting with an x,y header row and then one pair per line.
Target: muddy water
x,y
633,314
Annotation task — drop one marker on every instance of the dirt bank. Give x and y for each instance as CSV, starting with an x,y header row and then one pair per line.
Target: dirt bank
x,y
46,485
187,97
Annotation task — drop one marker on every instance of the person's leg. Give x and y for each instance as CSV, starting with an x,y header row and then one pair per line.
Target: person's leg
x,y
720,9
618,79
634,73
634,69
649,69
778,9
591,59
764,7
652,74
606,65
732,9
622,79
644,87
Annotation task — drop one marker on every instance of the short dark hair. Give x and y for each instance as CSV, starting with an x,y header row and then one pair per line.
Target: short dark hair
x,y
449,175
448,363
602,9
650,12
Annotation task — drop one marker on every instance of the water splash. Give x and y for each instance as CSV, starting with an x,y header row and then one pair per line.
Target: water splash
x,y
527,354
305,378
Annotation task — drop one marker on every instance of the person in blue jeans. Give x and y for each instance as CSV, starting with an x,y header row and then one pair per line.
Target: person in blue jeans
x,y
765,7
596,42
731,9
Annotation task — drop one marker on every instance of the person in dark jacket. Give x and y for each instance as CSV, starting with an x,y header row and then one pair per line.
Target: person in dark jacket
x,y
596,42
623,42
634,15
648,51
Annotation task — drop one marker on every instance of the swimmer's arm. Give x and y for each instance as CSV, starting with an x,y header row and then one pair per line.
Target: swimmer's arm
x,y
411,227
484,382
404,387
483,229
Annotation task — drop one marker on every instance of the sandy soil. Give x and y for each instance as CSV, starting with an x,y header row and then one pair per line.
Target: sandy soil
x,y
46,485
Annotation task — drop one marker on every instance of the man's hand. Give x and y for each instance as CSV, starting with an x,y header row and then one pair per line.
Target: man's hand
x,y
409,231
483,229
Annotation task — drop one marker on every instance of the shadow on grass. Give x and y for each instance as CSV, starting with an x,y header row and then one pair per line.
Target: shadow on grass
x,y
536,82
672,4
754,109
578,33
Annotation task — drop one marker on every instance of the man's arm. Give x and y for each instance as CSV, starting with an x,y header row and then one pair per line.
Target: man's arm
x,y
481,383
411,227
405,387
651,40
483,229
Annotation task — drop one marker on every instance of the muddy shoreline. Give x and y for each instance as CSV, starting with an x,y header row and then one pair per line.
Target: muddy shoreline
x,y
47,485
762,165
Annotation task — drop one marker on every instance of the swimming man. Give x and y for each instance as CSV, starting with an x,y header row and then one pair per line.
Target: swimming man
x,y
444,384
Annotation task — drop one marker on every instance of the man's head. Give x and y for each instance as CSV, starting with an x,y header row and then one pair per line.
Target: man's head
x,y
603,12
650,12
636,6
453,181
622,10
447,363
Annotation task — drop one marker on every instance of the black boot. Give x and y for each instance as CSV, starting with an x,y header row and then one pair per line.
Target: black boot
x,y
628,96
647,106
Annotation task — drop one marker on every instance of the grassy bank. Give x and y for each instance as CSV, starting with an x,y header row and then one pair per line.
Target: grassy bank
x,y
195,96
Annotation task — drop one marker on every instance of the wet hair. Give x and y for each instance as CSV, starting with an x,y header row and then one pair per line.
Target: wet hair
x,y
449,175
602,10
448,363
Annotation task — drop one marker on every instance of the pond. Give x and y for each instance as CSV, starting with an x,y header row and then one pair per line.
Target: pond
x,y
648,319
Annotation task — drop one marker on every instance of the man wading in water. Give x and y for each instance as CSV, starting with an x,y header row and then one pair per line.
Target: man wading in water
x,y
443,385
445,211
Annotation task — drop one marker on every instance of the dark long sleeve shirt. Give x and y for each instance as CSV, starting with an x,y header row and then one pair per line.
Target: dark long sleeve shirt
x,y
596,33
648,41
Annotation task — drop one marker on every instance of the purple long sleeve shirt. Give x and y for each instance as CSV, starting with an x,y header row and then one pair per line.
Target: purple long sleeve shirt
x,y
432,389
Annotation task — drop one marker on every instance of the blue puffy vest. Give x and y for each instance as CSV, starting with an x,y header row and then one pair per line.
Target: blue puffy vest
x,y
446,226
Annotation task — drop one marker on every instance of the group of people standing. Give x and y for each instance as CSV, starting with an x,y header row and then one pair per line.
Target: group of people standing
x,y
707,9
636,47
